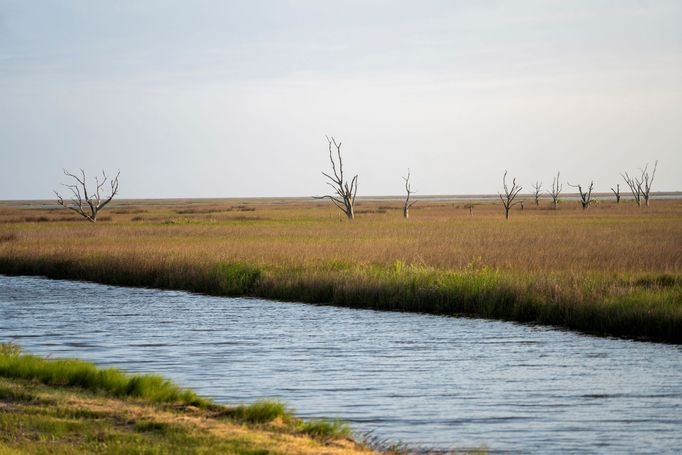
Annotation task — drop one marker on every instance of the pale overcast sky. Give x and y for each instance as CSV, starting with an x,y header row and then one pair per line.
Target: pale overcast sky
x,y
232,99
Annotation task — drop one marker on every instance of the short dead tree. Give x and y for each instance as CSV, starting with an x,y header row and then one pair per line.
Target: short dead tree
x,y
509,194
537,189
408,189
585,196
635,186
85,203
557,187
616,193
344,192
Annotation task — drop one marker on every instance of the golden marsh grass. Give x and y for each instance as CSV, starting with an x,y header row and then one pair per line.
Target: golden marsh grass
x,y
609,269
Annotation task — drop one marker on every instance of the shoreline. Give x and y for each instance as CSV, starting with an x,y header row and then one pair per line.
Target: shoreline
x,y
613,270
637,306
73,406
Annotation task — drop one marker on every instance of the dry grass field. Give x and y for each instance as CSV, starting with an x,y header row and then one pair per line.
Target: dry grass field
x,y
613,269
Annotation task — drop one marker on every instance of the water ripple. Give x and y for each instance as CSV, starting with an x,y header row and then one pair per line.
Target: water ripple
x,y
424,380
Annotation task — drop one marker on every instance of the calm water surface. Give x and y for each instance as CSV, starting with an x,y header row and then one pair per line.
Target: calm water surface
x,y
424,380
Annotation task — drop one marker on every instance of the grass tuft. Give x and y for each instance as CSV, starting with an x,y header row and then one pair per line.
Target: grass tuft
x,y
85,375
325,429
262,411
237,278
10,350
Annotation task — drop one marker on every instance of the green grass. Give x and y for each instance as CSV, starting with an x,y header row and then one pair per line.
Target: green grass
x,y
77,373
47,420
325,429
262,411
52,417
266,411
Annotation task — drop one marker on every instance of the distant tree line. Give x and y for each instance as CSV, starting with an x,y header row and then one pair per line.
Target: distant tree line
x,y
88,203
344,192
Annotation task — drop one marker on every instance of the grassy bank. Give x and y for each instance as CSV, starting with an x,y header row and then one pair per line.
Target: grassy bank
x,y
70,406
644,306
613,270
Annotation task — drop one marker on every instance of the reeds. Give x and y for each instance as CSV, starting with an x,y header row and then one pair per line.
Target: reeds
x,y
615,270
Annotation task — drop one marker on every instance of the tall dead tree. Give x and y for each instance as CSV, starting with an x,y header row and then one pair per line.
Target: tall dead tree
x,y
557,187
409,191
85,203
640,187
537,188
344,192
509,194
616,193
647,180
585,196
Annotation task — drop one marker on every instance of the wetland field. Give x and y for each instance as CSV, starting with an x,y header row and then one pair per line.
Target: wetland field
x,y
614,269
406,376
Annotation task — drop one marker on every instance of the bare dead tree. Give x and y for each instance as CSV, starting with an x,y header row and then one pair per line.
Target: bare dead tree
x,y
647,180
616,193
509,194
87,204
408,189
635,187
537,188
557,187
344,192
585,196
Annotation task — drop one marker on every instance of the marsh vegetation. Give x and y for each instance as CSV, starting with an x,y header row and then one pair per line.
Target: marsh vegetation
x,y
614,269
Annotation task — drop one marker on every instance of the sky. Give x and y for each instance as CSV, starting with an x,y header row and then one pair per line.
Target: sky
x,y
234,98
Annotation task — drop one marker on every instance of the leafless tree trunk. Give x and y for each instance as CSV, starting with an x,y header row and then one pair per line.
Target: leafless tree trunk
x,y
641,187
85,204
585,196
509,194
557,186
635,186
408,189
344,197
647,180
536,192
616,192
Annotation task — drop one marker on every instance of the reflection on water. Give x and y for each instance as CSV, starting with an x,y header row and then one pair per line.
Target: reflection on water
x,y
420,379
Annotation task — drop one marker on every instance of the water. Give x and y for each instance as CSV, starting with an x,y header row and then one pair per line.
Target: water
x,y
424,380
